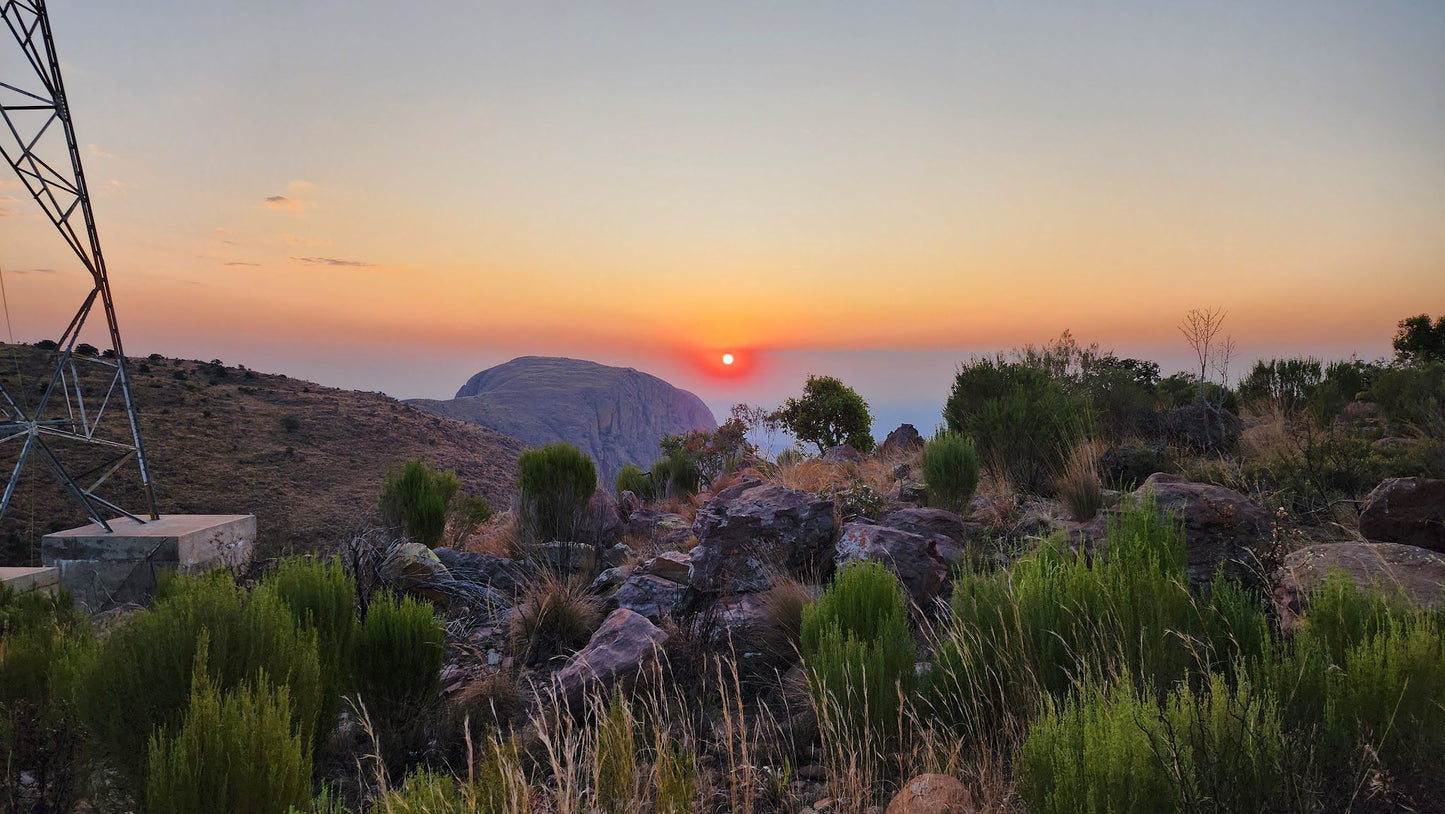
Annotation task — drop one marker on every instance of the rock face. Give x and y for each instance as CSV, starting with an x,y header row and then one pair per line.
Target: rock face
x,y
657,587
1221,526
616,654
913,557
932,794
752,529
1415,572
616,415
1410,511
1202,427
902,440
951,533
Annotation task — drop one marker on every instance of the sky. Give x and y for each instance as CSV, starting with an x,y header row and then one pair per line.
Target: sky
x,y
393,196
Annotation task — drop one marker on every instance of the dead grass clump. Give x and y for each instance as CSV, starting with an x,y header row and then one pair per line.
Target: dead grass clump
x,y
497,537
1078,485
555,616
490,700
782,619
817,475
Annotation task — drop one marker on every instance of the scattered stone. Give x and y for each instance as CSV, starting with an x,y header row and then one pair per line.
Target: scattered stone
x,y
616,555
670,565
901,471
952,534
932,794
614,657
912,491
498,573
913,557
1416,573
1221,526
903,440
751,529
608,580
1409,511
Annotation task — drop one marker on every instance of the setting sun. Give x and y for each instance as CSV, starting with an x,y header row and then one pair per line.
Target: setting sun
x,y
727,358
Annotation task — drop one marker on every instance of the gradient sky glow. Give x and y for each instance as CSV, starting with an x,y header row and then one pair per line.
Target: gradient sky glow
x,y
393,196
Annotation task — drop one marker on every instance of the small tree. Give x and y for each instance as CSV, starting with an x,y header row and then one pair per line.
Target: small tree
x,y
1200,327
829,413
1418,341
416,499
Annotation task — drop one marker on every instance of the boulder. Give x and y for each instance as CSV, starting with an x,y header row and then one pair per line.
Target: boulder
x,y
913,557
932,794
654,526
950,532
670,565
498,573
1126,467
1416,573
901,441
842,453
752,529
912,491
602,522
1409,511
622,647
1221,526
1202,427
650,595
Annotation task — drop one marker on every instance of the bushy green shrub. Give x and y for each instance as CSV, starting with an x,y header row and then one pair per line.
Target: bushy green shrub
x,y
139,682
1282,385
496,786
237,752
415,500
950,471
1021,420
1412,397
1218,749
676,779
554,484
1058,619
676,475
858,653
828,413
631,478
397,665
321,597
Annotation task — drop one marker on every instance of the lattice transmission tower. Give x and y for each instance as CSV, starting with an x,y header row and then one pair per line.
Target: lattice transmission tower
x,y
67,422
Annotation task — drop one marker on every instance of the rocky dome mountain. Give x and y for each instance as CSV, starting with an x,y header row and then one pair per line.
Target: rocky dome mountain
x,y
617,415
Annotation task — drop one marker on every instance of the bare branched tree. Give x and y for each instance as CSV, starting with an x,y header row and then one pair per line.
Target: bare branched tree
x,y
1222,357
1200,327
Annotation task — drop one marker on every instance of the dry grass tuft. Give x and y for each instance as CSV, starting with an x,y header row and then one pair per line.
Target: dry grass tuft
x,y
498,537
555,616
1079,487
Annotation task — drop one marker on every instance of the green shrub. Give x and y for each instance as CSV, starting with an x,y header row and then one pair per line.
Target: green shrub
x,y
614,757
631,478
496,786
1282,385
139,682
554,484
42,638
676,475
1220,749
237,752
676,779
828,413
322,597
1021,420
950,471
466,516
1412,397
397,666
858,653
416,500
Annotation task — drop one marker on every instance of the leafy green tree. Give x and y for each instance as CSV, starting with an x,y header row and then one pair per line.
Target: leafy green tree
x,y
829,413
1420,341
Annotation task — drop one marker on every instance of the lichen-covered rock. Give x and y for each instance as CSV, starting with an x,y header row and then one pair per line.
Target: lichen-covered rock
x,y
650,595
932,794
913,557
617,653
952,534
753,529
1409,511
1416,573
1221,526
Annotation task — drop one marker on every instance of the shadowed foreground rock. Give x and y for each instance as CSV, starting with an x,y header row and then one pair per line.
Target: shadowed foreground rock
x,y
753,529
1221,526
1410,511
913,557
1415,572
932,794
617,653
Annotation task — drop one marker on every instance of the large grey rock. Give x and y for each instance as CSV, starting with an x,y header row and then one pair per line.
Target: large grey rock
x,y
602,523
901,441
952,534
752,529
1202,427
1410,511
498,573
1416,573
655,526
913,557
1221,526
616,415
650,595
616,654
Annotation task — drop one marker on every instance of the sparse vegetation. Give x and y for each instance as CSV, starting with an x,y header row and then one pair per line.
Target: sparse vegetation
x,y
554,484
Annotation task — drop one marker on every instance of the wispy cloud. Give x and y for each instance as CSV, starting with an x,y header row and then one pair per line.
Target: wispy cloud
x,y
30,271
298,185
334,261
241,263
297,240
114,187
97,152
281,203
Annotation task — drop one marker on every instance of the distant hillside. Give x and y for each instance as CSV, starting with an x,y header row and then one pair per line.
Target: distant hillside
x,y
307,460
617,415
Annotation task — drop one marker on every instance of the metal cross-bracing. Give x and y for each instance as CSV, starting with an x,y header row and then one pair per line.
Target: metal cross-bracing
x,y
76,400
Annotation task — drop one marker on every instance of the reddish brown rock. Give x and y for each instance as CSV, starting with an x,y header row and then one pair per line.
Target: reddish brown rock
x,y
1416,573
617,653
932,794
1409,511
1221,526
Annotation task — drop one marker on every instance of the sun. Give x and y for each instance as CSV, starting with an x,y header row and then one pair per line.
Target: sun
x,y
727,358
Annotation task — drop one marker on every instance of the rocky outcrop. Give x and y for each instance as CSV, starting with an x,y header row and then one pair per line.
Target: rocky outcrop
x,y
616,415
617,653
932,794
951,533
901,441
752,529
1221,526
1409,511
498,573
1202,427
1415,573
657,587
913,557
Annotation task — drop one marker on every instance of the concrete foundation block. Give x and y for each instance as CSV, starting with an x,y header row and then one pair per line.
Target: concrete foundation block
x,y
101,569
26,580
